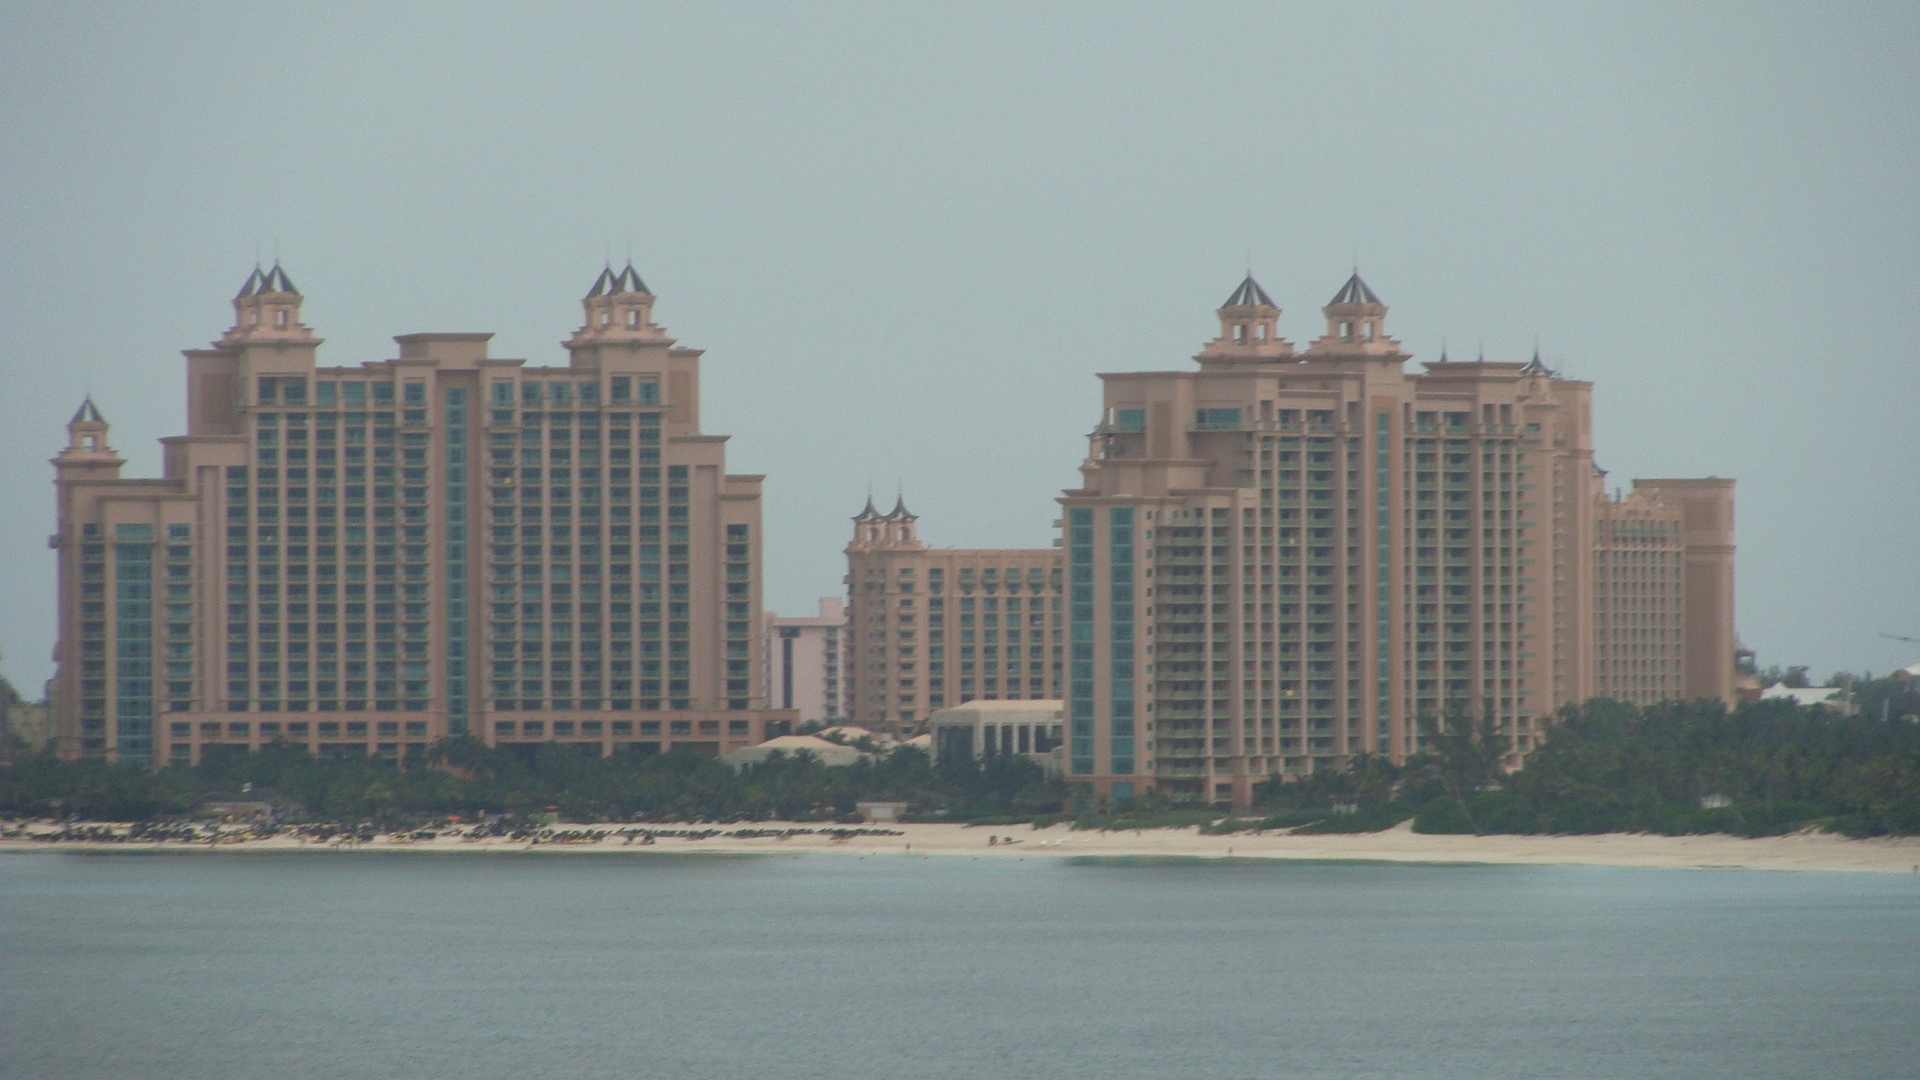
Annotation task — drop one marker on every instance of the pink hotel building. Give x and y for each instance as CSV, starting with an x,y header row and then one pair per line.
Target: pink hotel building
x,y
1280,557
1274,559
366,559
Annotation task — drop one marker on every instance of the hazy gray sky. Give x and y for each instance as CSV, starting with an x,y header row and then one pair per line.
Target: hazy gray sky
x,y
909,235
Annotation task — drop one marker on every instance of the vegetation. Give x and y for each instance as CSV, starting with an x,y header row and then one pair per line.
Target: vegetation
x,y
466,778
1764,768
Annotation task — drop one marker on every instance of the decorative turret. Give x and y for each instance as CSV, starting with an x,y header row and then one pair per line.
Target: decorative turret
x,y
873,530
1355,324
618,308
1535,367
867,525
87,447
900,521
267,308
1249,327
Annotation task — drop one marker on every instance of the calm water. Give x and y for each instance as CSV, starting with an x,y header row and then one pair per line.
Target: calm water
x,y
475,967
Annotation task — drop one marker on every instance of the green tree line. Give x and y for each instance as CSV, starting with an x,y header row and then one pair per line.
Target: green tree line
x,y
466,778
1762,768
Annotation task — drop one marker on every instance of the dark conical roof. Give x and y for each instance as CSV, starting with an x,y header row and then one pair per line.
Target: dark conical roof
x,y
602,284
87,413
277,281
1535,367
1354,291
261,282
1249,294
869,513
900,508
628,280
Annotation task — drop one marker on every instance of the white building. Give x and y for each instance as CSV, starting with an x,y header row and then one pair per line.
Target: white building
x,y
976,729
805,662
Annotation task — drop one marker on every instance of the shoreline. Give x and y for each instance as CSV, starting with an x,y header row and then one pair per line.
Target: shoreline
x,y
1797,851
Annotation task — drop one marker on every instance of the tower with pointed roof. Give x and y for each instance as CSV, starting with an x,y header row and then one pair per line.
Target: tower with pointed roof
x,y
87,447
267,308
619,308
1249,328
1356,325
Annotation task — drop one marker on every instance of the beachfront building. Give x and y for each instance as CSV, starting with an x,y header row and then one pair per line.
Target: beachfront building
x,y
365,559
1285,557
978,729
1663,592
930,627
804,657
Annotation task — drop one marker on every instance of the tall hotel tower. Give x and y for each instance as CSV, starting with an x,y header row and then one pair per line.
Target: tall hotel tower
x,y
365,559
1282,558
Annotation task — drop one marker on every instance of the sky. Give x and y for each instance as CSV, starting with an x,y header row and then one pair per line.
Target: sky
x,y
910,235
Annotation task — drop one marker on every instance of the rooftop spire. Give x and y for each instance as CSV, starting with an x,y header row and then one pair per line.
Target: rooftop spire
x,y
1249,294
277,281
88,413
628,280
900,508
1355,291
603,284
1356,324
251,286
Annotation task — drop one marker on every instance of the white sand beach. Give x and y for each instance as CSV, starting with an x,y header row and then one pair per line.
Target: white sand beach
x,y
1800,851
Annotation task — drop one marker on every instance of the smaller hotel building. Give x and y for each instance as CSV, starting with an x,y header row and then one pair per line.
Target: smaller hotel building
x,y
930,627
804,662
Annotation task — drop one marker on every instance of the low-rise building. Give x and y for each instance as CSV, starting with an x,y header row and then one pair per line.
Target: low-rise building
x,y
828,753
977,729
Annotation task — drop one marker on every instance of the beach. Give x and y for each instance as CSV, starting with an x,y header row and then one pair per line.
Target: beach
x,y
1806,850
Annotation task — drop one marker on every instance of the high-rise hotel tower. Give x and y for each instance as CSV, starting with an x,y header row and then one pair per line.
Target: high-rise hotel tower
x,y
1286,557
365,559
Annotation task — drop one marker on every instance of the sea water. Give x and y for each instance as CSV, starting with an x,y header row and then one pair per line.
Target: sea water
x,y
538,967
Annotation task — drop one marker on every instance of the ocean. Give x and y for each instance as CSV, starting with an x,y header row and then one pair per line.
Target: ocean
x,y
891,967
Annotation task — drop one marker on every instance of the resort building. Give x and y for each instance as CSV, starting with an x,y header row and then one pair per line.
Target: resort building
x,y
804,655
1663,592
931,627
1032,729
365,559
1285,557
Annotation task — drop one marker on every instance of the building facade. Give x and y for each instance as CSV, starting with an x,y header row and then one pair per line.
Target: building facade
x,y
366,559
933,627
1655,548
1032,729
1281,558
805,657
